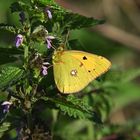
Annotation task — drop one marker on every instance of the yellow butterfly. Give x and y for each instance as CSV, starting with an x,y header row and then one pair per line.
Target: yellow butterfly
x,y
74,70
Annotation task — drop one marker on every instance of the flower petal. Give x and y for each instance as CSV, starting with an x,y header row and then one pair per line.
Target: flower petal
x,y
44,70
18,40
49,14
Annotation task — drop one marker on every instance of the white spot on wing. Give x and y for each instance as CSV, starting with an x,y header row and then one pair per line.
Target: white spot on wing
x,y
73,72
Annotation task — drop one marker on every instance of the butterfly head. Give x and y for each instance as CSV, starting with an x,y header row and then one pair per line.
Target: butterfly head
x,y
57,54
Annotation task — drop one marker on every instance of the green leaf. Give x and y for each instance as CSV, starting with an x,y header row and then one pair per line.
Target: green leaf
x,y
122,76
7,27
75,43
9,75
76,21
8,55
10,51
71,21
19,6
126,94
75,107
45,2
83,103
130,75
37,17
3,128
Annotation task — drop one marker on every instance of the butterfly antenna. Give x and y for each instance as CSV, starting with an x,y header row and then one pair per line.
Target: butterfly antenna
x,y
50,66
53,47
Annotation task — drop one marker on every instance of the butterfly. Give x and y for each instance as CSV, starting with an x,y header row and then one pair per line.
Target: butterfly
x,y
74,70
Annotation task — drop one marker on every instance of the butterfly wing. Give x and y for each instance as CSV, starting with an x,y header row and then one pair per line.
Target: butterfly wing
x,y
75,69
95,65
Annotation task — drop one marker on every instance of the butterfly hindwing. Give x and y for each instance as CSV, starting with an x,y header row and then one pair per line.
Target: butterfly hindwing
x,y
75,69
68,76
95,65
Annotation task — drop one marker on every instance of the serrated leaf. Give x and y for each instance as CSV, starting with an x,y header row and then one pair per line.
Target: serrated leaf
x,y
80,102
9,75
7,27
76,21
84,105
72,111
71,21
75,110
4,127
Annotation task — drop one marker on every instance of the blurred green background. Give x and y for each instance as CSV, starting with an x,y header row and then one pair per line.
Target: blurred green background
x,y
118,40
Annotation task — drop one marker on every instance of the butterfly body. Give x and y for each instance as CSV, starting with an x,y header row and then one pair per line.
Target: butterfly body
x,y
74,70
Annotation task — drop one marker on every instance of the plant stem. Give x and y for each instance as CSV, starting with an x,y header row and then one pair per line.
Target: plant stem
x,y
26,50
29,120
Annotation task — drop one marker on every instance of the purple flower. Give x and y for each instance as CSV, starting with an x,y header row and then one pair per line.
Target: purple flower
x,y
22,17
18,40
45,68
49,41
6,105
48,13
